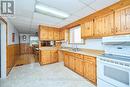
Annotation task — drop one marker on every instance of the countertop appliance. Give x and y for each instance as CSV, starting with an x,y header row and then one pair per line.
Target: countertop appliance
x,y
113,67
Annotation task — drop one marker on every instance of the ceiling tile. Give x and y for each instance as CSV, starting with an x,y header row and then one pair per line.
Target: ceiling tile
x,y
87,2
69,6
100,4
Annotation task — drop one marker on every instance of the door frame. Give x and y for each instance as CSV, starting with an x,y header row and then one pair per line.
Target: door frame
x,y
4,21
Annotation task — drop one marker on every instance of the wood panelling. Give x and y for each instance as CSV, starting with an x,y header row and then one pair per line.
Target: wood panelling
x,y
120,4
12,55
25,49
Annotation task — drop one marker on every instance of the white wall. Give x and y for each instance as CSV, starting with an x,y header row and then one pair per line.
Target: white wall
x,y
12,29
3,50
95,44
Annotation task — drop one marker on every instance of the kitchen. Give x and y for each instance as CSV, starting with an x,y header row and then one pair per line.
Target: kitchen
x,y
84,44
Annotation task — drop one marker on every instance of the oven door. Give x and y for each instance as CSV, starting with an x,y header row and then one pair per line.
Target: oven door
x,y
114,74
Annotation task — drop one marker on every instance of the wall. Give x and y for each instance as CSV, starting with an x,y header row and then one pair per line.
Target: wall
x,y
11,30
95,44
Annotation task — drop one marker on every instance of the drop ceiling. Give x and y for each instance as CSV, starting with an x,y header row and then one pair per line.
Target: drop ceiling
x,y
26,20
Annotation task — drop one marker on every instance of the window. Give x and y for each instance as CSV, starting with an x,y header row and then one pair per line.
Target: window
x,y
75,35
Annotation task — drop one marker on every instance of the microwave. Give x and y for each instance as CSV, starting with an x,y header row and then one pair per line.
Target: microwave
x,y
48,43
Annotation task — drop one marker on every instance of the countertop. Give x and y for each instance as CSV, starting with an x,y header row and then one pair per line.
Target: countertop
x,y
87,52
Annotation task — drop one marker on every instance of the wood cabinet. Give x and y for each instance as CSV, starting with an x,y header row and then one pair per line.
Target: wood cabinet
x,y
104,25
62,34
66,59
72,62
48,56
79,66
122,20
82,64
45,57
43,33
56,34
54,56
48,33
90,68
87,29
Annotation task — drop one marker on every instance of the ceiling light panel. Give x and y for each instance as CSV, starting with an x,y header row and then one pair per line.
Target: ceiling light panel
x,y
43,9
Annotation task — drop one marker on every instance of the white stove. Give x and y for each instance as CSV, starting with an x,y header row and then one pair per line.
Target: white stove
x,y
113,67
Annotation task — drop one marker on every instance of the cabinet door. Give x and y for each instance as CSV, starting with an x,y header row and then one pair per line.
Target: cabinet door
x,y
79,66
62,34
56,34
128,19
66,60
54,56
122,20
90,68
87,29
50,34
45,57
44,34
72,62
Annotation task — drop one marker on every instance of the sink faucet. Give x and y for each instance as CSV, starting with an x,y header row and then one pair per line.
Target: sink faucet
x,y
75,48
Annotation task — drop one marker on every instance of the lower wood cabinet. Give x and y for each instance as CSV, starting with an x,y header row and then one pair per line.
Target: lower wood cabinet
x,y
90,68
81,64
66,59
72,62
48,56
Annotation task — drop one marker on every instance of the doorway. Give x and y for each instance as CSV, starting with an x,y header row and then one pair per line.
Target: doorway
x,y
3,46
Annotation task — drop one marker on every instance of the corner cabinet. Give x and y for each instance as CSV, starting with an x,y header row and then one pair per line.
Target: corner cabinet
x,y
87,29
122,20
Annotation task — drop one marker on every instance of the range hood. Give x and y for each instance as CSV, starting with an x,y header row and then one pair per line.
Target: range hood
x,y
117,40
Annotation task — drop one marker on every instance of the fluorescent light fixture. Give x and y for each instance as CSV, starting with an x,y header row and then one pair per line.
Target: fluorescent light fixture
x,y
40,8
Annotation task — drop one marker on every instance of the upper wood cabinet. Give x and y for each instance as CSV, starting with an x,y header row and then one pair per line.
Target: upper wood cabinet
x,y
87,29
43,33
104,25
48,33
62,34
122,20
56,34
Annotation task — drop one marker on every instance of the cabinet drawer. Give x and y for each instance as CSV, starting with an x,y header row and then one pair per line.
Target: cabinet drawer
x,y
78,56
89,58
